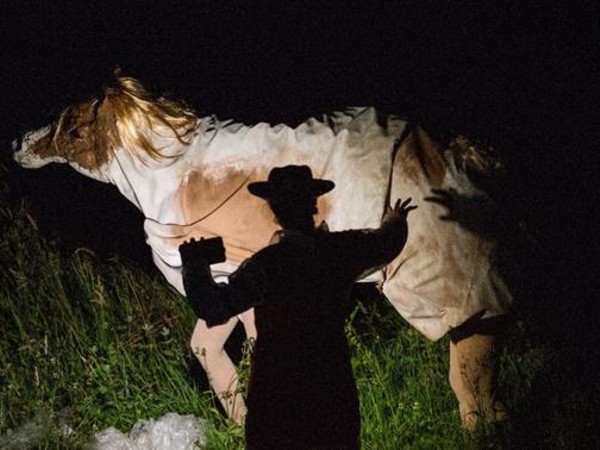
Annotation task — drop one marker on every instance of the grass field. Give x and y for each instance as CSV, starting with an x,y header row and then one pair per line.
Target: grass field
x,y
89,343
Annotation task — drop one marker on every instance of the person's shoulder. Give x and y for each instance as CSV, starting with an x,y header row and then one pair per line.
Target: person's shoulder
x,y
263,253
258,263
268,253
344,234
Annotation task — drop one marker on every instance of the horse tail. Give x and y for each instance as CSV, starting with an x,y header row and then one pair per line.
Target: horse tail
x,y
137,114
476,157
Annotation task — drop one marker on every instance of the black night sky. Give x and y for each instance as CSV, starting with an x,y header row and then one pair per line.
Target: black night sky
x,y
518,74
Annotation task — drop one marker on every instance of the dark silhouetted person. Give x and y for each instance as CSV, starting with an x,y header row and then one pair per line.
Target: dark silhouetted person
x,y
302,393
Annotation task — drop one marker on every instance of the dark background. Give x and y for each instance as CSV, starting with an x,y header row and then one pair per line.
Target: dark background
x,y
518,74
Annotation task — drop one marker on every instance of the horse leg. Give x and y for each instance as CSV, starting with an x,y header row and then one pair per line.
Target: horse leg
x,y
247,319
473,373
208,346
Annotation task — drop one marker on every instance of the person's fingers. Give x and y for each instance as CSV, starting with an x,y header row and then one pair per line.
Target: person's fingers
x,y
403,206
405,202
389,209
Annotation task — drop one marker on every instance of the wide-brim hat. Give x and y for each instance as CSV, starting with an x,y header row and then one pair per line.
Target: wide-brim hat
x,y
289,181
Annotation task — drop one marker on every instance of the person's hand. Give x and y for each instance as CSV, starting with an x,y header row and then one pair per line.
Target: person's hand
x,y
395,219
196,257
400,210
210,250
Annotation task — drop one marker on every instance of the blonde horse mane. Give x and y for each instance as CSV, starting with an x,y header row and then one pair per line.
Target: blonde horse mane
x,y
126,115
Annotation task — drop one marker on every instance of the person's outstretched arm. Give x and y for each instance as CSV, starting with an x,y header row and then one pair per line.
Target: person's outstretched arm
x,y
370,249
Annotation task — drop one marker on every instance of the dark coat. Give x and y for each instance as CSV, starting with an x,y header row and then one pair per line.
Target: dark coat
x,y
302,392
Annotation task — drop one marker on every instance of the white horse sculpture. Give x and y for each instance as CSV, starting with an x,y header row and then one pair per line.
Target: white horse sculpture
x,y
188,176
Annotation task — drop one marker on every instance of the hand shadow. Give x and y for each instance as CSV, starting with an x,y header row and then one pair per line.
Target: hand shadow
x,y
477,214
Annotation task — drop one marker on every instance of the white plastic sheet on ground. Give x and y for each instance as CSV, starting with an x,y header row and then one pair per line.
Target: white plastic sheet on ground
x,y
31,433
27,435
170,432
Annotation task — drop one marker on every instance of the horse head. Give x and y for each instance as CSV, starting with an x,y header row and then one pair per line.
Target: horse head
x,y
87,134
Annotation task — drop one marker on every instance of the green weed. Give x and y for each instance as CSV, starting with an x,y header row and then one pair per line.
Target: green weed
x,y
89,344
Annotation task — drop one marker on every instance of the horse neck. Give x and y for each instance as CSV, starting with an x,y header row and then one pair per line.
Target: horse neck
x,y
151,185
